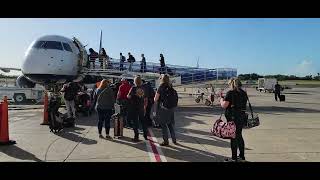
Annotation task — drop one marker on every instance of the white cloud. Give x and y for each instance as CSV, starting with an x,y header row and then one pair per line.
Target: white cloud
x,y
306,67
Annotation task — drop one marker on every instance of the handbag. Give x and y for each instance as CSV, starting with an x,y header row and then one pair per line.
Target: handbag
x,y
224,130
253,121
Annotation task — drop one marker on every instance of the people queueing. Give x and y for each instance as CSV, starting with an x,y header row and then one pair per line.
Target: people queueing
x,y
122,99
104,104
162,65
235,104
165,114
92,57
70,91
138,104
130,60
143,64
122,60
277,90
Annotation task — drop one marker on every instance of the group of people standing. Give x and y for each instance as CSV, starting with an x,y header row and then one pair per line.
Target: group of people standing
x,y
137,101
105,61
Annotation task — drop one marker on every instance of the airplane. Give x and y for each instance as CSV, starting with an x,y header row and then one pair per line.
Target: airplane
x,y
53,59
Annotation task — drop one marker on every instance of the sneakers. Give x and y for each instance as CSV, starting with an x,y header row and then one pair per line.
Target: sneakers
x,y
175,142
108,136
241,159
164,144
135,139
100,136
230,160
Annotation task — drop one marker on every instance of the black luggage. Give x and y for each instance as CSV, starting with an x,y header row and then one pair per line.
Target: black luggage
x,y
282,97
68,122
55,118
118,125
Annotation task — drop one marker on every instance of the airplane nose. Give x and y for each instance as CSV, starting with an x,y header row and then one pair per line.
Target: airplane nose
x,y
35,63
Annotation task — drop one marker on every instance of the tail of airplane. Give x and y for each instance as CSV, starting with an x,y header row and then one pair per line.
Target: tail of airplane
x,y
100,46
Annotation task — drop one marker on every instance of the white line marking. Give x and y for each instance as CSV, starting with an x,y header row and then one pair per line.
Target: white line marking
x,y
156,150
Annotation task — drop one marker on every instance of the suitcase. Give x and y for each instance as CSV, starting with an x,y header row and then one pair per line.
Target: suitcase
x,y
282,97
118,125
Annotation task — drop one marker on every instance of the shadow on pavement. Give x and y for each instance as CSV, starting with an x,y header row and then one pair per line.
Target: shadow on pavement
x,y
176,152
276,109
72,135
16,152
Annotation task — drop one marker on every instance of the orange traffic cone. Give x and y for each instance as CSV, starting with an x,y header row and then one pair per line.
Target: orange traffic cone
x,y
4,124
45,110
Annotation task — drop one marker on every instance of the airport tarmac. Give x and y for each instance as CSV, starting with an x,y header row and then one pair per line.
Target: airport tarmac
x,y
289,131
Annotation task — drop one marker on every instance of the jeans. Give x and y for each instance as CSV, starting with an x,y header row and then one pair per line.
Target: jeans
x,y
136,116
147,116
170,126
276,94
130,66
104,116
238,142
71,109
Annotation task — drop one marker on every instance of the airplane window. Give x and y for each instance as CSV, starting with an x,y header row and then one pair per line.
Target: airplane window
x,y
38,44
53,45
67,47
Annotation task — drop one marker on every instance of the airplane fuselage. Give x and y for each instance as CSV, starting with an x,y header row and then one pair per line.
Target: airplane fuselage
x,y
51,59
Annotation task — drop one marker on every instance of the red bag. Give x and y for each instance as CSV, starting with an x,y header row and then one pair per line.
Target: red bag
x,y
224,130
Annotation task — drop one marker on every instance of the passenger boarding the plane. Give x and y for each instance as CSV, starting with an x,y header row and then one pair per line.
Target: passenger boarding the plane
x,y
92,57
143,64
122,60
162,65
130,60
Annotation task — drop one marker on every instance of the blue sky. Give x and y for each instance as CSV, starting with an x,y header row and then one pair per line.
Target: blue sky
x,y
263,46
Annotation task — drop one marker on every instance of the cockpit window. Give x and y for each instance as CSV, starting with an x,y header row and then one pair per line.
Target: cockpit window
x,y
67,47
38,44
53,45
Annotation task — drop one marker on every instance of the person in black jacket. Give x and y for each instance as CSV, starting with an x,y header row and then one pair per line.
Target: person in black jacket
x,y
235,104
143,64
122,60
92,57
131,60
162,65
277,89
138,104
150,93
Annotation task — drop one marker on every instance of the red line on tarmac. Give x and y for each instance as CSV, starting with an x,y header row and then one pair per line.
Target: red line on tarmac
x,y
154,149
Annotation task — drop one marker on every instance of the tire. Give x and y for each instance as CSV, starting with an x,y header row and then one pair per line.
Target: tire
x,y
19,98
207,102
197,100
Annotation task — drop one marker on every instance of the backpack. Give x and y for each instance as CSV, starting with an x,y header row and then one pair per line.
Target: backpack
x,y
170,98
70,92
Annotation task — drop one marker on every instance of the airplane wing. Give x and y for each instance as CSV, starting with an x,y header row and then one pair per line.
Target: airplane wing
x,y
7,70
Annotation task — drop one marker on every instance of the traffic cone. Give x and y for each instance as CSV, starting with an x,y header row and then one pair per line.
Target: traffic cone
x,y
45,110
4,124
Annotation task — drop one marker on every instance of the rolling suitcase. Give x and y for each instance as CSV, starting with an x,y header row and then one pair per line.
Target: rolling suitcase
x,y
118,125
282,97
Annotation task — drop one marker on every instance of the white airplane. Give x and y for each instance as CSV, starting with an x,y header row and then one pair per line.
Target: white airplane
x,y
52,59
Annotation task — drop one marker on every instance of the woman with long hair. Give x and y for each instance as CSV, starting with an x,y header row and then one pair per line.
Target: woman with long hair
x,y
235,104
104,103
165,115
